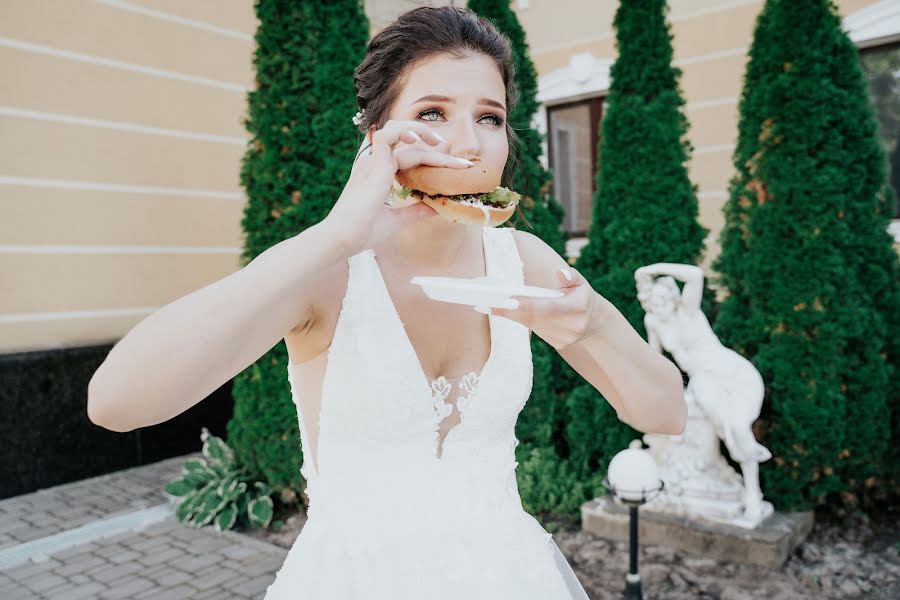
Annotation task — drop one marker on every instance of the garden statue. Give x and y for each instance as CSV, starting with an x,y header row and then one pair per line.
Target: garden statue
x,y
724,395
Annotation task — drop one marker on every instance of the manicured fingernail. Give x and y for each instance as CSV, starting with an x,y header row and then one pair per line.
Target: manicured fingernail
x,y
462,161
415,135
484,311
513,304
566,273
439,136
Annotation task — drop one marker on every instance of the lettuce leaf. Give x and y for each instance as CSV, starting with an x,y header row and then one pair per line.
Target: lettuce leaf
x,y
499,197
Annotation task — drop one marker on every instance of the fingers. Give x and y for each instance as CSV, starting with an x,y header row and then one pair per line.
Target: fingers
x,y
412,156
558,322
525,312
530,310
573,280
430,136
378,147
407,131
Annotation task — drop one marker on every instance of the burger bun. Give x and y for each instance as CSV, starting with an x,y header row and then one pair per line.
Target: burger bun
x,y
448,181
437,183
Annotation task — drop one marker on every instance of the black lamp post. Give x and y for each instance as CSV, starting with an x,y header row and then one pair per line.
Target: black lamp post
x,y
633,478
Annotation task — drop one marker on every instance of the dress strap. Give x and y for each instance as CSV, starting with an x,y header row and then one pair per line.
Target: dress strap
x,y
502,254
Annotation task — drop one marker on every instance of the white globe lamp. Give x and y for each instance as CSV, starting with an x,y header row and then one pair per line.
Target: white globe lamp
x,y
633,473
633,478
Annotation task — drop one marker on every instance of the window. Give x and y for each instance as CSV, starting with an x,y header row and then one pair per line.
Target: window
x,y
572,144
881,65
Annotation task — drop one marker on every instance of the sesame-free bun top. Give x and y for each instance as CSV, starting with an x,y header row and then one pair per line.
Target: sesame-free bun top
x,y
448,181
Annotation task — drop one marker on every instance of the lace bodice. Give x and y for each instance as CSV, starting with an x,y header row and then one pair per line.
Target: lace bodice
x,y
449,394
416,469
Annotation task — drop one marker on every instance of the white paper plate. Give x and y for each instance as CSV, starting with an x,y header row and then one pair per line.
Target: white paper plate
x,y
480,292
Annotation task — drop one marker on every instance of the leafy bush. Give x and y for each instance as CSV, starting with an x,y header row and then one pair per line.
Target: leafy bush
x,y
645,207
812,277
302,146
218,489
550,484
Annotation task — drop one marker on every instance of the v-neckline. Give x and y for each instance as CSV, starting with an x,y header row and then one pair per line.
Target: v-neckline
x,y
423,376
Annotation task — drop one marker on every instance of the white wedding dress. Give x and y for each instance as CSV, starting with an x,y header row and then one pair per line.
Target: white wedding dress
x,y
407,501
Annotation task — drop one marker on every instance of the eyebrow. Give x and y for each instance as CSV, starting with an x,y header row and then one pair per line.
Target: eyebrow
x,y
485,101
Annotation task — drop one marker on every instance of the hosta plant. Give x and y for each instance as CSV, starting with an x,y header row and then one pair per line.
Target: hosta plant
x,y
216,489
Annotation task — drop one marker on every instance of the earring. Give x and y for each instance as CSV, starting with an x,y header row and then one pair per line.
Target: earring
x,y
357,118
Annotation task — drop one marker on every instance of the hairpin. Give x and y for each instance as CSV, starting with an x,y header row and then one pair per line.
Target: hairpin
x,y
357,118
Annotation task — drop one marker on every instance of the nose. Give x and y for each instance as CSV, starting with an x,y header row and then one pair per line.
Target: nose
x,y
465,142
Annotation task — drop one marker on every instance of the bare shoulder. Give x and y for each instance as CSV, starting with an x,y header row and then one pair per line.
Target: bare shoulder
x,y
310,338
540,261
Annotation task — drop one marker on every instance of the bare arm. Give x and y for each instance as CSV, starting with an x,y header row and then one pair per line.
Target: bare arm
x,y
181,353
642,385
648,383
184,351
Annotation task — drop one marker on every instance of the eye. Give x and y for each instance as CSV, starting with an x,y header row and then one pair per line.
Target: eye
x,y
428,112
497,119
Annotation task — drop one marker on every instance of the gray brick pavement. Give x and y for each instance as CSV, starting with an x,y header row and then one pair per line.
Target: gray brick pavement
x,y
62,507
163,560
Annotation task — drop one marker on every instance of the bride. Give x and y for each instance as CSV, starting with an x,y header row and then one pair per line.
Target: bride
x,y
406,406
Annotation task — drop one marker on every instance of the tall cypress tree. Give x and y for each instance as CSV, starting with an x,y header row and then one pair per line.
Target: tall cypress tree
x,y
807,261
298,159
543,213
645,206
545,483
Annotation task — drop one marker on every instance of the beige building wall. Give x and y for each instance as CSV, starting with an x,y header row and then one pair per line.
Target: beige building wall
x,y
710,43
122,129
122,134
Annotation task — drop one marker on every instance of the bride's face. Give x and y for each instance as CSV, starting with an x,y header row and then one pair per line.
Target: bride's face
x,y
472,114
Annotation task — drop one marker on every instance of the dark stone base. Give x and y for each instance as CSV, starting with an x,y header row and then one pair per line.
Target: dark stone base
x,y
48,439
768,545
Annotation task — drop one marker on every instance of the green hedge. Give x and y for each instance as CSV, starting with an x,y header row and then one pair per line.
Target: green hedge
x,y
645,207
808,262
295,167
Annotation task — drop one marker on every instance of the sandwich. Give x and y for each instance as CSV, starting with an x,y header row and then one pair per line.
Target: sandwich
x,y
472,196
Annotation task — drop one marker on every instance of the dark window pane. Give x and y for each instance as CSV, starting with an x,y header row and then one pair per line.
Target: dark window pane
x,y
882,67
571,142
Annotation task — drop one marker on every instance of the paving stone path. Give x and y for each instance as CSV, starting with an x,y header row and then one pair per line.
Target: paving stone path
x,y
116,536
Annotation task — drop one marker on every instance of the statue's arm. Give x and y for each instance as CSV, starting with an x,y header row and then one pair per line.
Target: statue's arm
x,y
691,275
652,337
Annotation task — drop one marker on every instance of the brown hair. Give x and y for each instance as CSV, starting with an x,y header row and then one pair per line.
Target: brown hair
x,y
422,33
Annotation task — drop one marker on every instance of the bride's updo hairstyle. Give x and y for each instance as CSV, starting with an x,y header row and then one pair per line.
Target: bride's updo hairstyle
x,y
420,34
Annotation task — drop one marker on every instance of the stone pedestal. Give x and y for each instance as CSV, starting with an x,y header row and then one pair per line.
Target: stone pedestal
x,y
769,544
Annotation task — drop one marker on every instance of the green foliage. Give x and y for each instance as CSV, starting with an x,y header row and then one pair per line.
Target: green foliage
x,y
264,429
808,263
542,416
542,213
540,423
297,162
550,484
303,142
593,430
217,489
645,207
